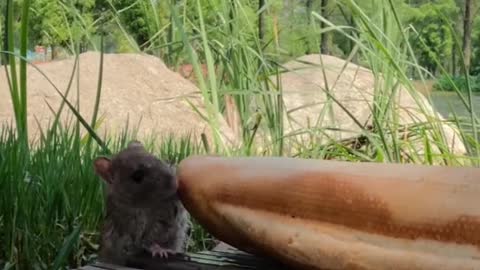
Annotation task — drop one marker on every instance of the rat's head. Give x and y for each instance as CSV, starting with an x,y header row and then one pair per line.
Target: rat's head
x,y
136,176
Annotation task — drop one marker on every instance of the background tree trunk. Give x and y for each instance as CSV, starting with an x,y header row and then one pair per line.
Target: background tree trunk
x,y
467,33
454,60
231,16
325,38
52,56
261,21
308,7
353,33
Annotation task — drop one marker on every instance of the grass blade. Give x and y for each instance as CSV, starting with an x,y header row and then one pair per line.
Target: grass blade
x,y
66,249
99,90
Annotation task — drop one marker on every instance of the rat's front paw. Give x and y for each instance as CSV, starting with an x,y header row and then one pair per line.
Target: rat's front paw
x,y
157,250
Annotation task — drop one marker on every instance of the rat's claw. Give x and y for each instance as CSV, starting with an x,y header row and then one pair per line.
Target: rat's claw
x,y
155,249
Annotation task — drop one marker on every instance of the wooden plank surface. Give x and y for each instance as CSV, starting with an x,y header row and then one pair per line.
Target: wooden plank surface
x,y
221,258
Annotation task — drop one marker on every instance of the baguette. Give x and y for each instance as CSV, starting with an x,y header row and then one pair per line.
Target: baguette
x,y
318,214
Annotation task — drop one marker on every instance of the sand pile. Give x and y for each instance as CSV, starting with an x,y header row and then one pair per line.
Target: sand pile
x,y
134,88
353,88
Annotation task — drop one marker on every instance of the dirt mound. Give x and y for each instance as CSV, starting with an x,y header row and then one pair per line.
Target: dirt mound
x,y
136,88
353,86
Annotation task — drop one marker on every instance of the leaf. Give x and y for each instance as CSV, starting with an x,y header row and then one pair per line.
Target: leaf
x,y
67,248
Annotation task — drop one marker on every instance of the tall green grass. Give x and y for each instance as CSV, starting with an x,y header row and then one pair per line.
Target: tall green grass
x,y
238,65
52,203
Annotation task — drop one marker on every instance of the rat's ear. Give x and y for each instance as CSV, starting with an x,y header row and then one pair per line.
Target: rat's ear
x,y
103,168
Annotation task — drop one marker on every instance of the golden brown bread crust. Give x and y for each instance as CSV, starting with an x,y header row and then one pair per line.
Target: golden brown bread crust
x,y
330,214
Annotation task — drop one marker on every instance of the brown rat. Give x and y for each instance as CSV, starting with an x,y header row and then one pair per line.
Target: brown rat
x,y
143,211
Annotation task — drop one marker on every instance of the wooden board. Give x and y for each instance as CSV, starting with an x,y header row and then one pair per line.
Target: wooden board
x,y
226,259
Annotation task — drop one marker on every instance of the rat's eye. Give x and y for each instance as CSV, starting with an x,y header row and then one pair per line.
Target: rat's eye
x,y
138,175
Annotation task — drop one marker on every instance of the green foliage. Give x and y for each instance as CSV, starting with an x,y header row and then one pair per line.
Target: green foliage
x,y
2,21
476,46
457,82
297,36
80,16
60,23
434,41
48,24
134,18
133,15
52,203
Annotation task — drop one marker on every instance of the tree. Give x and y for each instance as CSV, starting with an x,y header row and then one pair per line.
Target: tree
x,y
81,19
48,26
467,33
308,8
261,20
348,44
435,41
457,26
475,65
132,17
326,36
3,7
57,23
2,21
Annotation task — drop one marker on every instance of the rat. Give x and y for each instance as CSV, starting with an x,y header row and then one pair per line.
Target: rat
x,y
143,210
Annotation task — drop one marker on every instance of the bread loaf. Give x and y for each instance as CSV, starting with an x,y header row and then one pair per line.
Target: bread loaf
x,y
318,214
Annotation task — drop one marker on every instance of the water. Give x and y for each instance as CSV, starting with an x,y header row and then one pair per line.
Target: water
x,y
448,102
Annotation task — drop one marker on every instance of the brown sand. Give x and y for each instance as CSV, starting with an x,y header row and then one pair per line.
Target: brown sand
x,y
353,86
134,88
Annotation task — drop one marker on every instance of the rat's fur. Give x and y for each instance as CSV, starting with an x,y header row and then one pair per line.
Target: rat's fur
x,y
143,211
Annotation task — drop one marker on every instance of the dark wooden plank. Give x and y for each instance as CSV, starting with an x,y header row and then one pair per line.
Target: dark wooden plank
x,y
104,266
87,267
227,259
